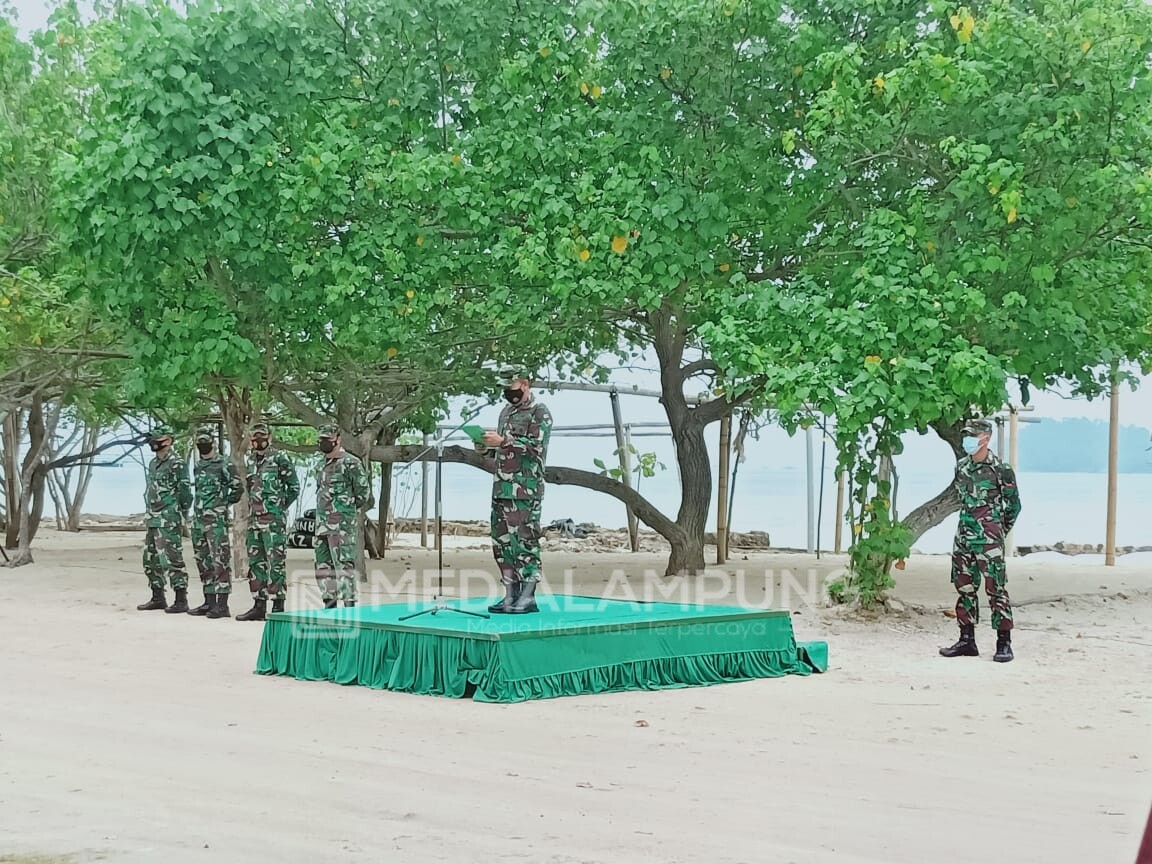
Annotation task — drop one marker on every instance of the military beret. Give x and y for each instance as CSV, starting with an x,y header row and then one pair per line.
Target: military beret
x,y
329,430
205,433
978,426
509,375
161,431
260,429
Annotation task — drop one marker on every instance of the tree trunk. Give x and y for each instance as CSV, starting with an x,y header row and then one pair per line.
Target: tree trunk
x,y
57,491
695,498
84,478
33,477
942,505
669,338
11,445
932,512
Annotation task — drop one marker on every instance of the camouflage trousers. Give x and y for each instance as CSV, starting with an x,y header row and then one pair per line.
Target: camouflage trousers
x,y
164,557
970,570
516,538
213,551
267,547
336,565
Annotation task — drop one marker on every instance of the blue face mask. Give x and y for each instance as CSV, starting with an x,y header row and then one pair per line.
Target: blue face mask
x,y
970,444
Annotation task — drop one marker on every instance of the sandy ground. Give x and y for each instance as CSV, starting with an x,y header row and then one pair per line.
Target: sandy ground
x,y
133,737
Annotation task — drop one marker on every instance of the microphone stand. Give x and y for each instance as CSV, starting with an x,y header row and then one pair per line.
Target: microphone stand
x,y
438,603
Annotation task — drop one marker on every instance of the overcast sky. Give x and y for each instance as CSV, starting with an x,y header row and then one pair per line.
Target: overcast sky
x,y
1135,408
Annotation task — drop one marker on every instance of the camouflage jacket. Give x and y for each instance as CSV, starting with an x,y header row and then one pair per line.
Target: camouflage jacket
x,y
217,484
989,502
520,459
167,495
272,487
342,493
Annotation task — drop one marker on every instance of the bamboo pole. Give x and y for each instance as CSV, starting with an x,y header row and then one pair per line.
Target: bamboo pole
x,y
1013,442
839,511
424,497
722,489
1113,460
811,490
1013,460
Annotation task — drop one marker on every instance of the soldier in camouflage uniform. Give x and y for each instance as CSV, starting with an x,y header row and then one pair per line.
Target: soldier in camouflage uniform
x,y
989,505
272,488
218,487
342,494
167,497
519,445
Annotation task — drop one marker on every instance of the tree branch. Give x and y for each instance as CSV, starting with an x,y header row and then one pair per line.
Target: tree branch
x,y
641,506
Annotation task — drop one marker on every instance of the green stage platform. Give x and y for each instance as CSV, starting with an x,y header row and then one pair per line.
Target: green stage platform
x,y
574,645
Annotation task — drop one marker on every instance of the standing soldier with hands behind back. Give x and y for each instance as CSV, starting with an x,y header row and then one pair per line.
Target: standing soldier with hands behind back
x,y
167,497
218,487
989,506
342,493
272,488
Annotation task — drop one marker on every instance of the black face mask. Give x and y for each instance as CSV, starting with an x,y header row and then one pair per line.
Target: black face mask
x,y
155,446
205,447
260,445
514,395
326,445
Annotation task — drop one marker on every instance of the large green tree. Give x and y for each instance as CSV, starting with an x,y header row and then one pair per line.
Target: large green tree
x,y
55,362
988,219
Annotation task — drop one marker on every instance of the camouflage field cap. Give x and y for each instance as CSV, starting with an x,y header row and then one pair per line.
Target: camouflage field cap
x,y
205,433
260,430
509,375
978,426
328,430
163,430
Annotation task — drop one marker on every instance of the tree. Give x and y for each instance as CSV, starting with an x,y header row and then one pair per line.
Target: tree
x,y
988,220
53,353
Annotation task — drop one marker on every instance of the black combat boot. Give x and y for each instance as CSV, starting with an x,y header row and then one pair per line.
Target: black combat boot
x,y
330,604
526,600
1003,647
349,602
966,647
278,604
158,601
180,604
204,607
511,591
256,613
220,608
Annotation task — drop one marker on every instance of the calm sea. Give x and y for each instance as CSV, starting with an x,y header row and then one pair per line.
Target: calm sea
x,y
770,495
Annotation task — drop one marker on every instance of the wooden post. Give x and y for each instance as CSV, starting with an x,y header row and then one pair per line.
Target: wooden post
x,y
424,495
722,489
811,490
1013,439
625,468
384,508
1113,460
839,510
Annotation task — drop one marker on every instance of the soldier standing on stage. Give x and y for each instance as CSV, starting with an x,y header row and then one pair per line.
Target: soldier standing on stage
x,y
167,497
519,445
989,505
342,494
218,487
272,488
